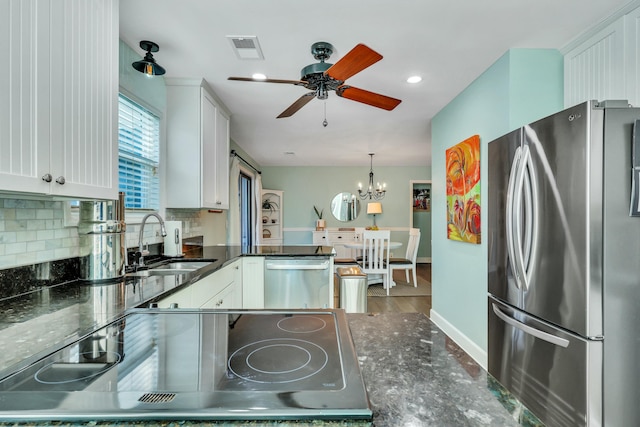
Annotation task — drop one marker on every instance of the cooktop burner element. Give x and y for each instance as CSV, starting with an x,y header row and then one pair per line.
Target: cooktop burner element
x,y
301,324
279,360
216,365
302,355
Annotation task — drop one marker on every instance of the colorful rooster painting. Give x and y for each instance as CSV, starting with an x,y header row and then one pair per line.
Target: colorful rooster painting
x,y
463,191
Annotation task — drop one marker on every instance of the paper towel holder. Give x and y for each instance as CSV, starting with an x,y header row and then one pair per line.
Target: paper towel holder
x,y
173,240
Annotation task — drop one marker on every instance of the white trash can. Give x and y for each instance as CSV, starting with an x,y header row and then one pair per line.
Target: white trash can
x,y
353,289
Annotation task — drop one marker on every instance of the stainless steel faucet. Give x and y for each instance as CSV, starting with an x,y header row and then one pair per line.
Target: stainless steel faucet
x,y
141,250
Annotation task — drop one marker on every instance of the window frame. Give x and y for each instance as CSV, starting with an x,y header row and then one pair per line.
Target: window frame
x,y
133,216
140,212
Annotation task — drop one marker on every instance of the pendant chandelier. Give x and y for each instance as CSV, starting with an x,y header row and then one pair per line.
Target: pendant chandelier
x,y
377,192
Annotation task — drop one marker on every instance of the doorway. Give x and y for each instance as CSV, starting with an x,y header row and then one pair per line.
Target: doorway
x,y
245,184
420,216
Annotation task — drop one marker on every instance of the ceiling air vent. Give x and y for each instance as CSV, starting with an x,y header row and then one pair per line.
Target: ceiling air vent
x,y
246,47
157,397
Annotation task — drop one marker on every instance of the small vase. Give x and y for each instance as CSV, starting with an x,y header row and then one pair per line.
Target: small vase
x,y
321,224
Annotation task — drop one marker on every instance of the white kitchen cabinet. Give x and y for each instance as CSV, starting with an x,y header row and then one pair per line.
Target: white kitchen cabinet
x,y
222,289
253,282
197,147
59,86
221,178
226,298
181,297
604,62
272,203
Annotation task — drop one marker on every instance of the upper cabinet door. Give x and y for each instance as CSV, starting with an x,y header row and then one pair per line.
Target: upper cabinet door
x,y
209,114
25,151
83,108
222,160
197,147
59,122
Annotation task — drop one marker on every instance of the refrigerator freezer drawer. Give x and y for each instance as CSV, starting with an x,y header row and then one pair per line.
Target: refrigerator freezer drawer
x,y
556,375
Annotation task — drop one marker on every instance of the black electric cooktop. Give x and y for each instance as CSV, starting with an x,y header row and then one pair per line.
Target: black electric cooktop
x,y
197,364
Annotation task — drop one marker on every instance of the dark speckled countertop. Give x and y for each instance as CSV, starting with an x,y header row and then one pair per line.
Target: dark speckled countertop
x,y
415,375
50,316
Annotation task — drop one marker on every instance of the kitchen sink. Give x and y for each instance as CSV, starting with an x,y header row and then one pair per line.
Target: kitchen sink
x,y
180,267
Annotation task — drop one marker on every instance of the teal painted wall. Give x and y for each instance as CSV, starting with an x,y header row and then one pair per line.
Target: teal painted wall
x,y
148,91
522,86
305,187
423,222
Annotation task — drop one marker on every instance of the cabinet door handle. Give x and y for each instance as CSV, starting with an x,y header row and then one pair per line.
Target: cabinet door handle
x,y
47,177
218,202
60,180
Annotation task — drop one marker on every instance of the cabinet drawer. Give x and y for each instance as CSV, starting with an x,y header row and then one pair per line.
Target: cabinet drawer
x,y
214,283
223,299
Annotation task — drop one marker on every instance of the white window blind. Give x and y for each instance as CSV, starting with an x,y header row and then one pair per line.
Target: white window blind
x,y
138,148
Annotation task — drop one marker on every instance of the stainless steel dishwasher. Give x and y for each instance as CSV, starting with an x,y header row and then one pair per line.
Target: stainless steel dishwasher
x,y
297,283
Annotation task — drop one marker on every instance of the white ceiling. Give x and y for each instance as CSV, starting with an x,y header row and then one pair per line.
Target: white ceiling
x,y
448,42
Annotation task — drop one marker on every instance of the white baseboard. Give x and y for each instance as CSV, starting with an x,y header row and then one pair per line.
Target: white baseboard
x,y
423,260
472,349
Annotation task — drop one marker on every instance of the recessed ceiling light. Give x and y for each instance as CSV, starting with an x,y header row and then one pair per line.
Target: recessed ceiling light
x,y
414,79
259,76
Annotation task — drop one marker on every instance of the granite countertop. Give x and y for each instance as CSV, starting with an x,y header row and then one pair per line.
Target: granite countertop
x,y
414,374
417,376
47,318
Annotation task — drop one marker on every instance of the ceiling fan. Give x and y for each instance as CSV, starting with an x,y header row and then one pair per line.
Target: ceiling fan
x,y
322,77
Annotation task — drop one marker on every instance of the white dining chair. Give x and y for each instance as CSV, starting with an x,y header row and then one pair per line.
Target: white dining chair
x,y
375,254
339,262
409,262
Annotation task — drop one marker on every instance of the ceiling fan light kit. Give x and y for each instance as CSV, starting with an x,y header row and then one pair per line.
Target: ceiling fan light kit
x,y
148,64
322,77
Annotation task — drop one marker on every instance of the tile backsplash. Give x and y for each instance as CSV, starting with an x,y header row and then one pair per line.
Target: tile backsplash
x,y
35,231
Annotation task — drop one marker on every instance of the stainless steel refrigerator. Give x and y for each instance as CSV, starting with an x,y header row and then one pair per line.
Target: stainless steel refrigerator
x,y
564,266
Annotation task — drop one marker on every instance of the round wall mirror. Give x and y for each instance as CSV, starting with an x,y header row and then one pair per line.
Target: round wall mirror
x,y
345,207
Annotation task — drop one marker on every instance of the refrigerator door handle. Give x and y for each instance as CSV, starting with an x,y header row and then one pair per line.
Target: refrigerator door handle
x,y
509,214
561,342
531,220
516,218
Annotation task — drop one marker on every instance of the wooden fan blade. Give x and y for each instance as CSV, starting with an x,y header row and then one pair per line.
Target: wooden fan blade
x,y
366,97
301,102
358,58
249,79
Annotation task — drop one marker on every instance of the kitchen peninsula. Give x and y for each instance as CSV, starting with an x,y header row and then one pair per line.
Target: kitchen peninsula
x,y
414,374
77,308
